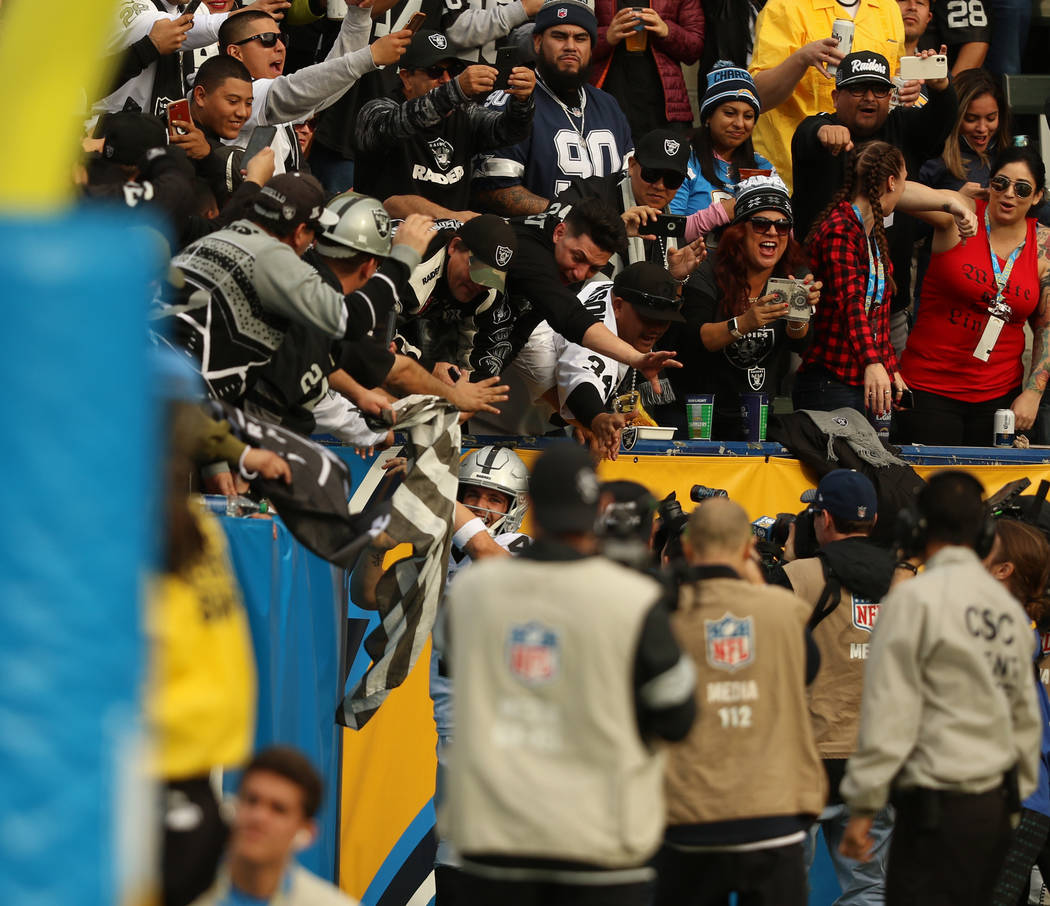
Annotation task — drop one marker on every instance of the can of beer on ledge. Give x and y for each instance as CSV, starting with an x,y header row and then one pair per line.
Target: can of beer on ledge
x,y
1004,428
842,32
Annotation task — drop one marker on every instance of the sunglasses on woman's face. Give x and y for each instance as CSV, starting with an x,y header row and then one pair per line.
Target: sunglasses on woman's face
x,y
1022,189
267,39
764,225
671,179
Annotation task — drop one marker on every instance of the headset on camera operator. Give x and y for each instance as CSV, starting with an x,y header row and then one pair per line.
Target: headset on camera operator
x,y
949,725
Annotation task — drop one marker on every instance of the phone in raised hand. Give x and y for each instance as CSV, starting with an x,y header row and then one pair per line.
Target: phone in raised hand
x,y
178,112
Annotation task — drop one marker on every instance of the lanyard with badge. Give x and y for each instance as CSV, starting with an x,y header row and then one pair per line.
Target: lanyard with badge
x,y
876,288
999,311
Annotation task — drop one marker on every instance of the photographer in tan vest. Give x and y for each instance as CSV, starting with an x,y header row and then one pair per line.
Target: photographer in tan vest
x,y
746,784
843,585
567,678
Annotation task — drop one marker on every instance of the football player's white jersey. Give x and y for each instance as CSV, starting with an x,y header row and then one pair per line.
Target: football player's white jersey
x,y
512,542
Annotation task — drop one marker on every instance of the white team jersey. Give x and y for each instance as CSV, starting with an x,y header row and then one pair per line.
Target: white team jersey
x,y
513,543
578,365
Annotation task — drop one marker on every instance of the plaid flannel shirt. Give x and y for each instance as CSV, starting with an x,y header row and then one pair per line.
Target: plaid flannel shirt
x,y
846,339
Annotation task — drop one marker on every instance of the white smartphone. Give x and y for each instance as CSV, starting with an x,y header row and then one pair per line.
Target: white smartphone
x,y
935,67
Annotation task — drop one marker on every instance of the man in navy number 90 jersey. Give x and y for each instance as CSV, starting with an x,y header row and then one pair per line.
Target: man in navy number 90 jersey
x,y
578,131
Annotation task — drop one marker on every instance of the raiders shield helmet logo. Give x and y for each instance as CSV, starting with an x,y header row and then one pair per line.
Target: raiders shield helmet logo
x,y
841,421
503,255
533,653
671,147
442,151
382,221
438,41
628,437
756,377
288,212
730,642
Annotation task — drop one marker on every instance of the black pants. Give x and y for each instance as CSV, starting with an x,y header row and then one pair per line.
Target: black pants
x,y
761,877
947,848
946,422
478,891
1028,847
194,840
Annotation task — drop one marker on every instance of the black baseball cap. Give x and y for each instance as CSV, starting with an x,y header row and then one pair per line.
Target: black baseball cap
x,y
863,66
294,198
492,245
564,490
663,149
651,289
427,48
848,495
127,136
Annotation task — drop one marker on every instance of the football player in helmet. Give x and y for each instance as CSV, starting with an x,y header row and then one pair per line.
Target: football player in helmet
x,y
493,483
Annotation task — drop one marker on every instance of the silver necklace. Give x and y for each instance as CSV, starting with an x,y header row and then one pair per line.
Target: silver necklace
x,y
570,112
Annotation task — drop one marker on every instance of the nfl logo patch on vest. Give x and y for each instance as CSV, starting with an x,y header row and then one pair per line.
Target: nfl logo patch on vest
x,y
865,613
730,642
533,653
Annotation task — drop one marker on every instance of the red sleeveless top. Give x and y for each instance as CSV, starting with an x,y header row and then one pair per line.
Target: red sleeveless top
x,y
953,312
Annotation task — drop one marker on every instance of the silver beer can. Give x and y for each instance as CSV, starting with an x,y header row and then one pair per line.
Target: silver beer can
x,y
842,32
1004,428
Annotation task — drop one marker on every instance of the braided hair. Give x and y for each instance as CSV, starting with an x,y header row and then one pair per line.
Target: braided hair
x,y
867,169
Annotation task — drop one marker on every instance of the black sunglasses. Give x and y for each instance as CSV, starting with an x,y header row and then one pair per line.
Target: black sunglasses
x,y
267,39
858,91
1022,189
764,224
439,69
671,179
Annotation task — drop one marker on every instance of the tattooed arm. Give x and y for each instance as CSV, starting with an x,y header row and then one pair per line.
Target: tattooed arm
x,y
511,201
1026,406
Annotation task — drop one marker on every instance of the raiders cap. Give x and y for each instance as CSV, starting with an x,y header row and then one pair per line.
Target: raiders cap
x,y
663,149
492,245
863,66
294,198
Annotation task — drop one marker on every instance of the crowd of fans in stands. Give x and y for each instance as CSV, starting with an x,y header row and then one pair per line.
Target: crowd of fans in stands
x,y
513,207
